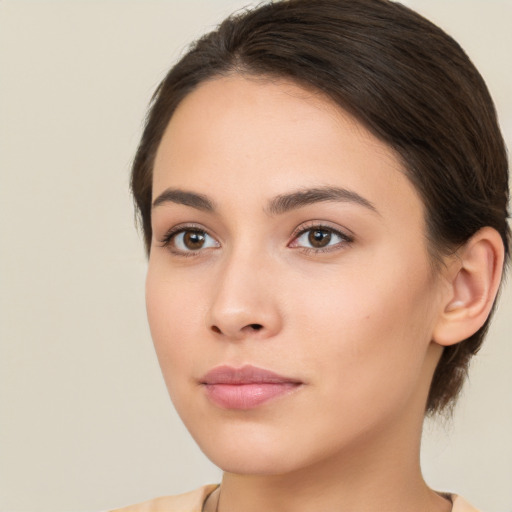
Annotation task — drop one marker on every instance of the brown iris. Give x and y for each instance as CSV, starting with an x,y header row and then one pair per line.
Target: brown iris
x,y
319,238
193,240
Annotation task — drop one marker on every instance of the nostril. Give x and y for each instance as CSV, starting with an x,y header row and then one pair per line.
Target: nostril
x,y
254,327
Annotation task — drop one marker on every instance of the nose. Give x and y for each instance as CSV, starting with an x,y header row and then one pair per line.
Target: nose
x,y
245,304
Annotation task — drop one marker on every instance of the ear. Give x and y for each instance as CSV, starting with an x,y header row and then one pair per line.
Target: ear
x,y
473,279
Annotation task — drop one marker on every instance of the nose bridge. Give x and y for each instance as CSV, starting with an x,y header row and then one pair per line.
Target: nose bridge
x,y
244,302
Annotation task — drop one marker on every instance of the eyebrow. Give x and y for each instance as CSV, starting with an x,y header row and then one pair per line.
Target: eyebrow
x,y
278,205
198,201
286,202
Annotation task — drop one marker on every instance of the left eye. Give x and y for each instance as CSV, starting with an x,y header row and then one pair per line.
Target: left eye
x,y
319,237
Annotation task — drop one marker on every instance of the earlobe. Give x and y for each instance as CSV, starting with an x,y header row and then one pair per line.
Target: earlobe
x,y
473,282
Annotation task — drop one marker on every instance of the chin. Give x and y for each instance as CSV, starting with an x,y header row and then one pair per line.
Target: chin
x,y
253,463
257,452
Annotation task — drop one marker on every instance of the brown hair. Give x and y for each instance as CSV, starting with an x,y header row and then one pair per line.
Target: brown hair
x,y
402,77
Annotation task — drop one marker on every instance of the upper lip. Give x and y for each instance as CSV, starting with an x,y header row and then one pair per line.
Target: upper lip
x,y
245,375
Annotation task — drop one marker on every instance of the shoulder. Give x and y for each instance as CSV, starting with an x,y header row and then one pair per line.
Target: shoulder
x,y
461,505
189,502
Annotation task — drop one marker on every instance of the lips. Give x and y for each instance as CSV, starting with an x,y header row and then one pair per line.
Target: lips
x,y
246,387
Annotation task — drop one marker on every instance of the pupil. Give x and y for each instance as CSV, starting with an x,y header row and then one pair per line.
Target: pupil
x,y
319,238
193,239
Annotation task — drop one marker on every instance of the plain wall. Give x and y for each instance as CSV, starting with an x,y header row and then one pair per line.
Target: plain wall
x,y
85,421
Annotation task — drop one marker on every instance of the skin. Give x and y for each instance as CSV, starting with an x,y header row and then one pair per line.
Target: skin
x,y
353,323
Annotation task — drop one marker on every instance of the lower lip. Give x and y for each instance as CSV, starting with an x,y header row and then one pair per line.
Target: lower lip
x,y
247,396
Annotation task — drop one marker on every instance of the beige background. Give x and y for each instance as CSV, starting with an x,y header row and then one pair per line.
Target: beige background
x,y
85,420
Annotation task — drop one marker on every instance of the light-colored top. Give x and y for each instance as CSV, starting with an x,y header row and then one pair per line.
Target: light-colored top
x,y
193,501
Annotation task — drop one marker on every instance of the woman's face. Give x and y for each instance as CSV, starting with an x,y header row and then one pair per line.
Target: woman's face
x,y
289,292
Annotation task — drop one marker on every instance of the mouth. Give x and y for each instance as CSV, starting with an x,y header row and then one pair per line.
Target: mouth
x,y
245,388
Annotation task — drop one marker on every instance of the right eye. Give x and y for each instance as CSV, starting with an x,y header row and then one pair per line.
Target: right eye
x,y
187,241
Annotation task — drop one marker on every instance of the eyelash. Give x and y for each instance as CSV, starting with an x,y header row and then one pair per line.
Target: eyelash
x,y
346,239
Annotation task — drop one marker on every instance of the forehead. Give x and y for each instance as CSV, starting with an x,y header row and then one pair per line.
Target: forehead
x,y
247,138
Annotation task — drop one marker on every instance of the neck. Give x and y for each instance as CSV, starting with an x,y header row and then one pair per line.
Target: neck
x,y
348,493
382,473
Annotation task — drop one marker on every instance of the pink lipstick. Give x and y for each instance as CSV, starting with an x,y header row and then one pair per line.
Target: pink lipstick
x,y
246,387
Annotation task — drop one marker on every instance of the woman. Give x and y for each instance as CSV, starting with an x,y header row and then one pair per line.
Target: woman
x,y
322,188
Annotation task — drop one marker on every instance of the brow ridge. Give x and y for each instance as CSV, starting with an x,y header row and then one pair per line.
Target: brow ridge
x,y
277,206
184,197
294,200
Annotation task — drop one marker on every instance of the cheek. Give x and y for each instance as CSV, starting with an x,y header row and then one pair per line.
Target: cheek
x,y
175,314
370,330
